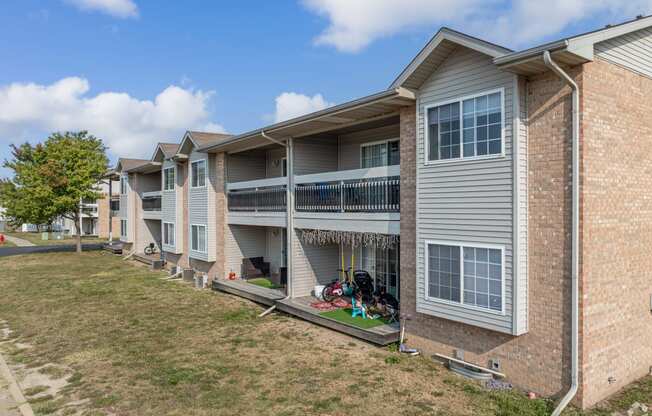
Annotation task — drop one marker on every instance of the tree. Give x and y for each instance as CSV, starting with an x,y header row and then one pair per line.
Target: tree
x,y
26,198
51,179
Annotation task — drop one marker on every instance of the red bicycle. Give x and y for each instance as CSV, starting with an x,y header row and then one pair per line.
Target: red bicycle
x,y
336,288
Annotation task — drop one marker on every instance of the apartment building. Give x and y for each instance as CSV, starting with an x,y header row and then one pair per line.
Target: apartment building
x,y
500,195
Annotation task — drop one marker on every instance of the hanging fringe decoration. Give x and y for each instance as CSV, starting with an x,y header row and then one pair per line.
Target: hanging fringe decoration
x,y
347,238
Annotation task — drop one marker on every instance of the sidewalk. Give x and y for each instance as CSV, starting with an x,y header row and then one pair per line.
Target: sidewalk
x,y
19,241
12,401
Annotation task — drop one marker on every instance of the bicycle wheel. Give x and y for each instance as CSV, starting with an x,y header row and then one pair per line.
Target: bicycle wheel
x,y
327,294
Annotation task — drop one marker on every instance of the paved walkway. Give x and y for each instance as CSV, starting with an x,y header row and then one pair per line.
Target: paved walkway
x,y
12,401
19,241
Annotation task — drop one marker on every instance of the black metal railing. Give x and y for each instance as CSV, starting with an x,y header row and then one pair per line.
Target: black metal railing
x,y
152,203
265,199
358,195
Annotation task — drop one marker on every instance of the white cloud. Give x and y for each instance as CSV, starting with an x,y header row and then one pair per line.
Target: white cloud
x,y
291,104
129,126
116,8
353,25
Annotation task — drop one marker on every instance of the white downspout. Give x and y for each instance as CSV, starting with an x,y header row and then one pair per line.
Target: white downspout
x,y
547,59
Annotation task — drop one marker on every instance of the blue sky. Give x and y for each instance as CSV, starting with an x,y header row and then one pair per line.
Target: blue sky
x,y
219,65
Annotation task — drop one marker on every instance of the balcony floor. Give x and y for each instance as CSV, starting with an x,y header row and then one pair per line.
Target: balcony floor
x,y
300,307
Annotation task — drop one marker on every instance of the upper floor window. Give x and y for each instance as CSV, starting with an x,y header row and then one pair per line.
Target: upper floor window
x,y
469,275
466,128
123,185
378,154
168,179
198,173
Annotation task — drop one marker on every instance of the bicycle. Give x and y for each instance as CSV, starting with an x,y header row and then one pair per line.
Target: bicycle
x,y
361,282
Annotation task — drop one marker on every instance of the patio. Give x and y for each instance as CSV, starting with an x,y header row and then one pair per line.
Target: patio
x,y
301,307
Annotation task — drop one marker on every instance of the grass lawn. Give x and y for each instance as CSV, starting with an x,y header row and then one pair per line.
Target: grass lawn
x,y
344,315
35,238
130,343
264,282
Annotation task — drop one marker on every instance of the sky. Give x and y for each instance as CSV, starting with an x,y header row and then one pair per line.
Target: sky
x,y
138,72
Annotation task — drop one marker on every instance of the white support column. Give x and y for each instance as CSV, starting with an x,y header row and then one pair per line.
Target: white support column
x,y
289,149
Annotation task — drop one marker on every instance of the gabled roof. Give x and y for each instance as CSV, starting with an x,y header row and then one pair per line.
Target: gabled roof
x,y
573,50
125,164
164,151
437,50
199,139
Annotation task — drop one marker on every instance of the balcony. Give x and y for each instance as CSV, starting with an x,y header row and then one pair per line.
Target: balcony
x,y
88,209
361,191
151,203
258,202
361,200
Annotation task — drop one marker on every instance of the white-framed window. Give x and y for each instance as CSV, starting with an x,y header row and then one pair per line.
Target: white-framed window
x,y
123,228
123,185
168,233
471,275
466,128
198,238
381,153
198,173
168,179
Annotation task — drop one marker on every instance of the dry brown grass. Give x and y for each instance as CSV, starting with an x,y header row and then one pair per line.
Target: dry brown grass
x,y
141,345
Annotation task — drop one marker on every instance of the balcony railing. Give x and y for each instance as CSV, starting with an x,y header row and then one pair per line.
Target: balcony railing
x,y
362,190
267,199
151,201
263,195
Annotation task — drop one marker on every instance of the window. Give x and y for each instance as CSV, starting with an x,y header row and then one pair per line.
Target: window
x,y
385,153
168,233
123,228
470,127
168,179
198,238
123,185
198,173
468,275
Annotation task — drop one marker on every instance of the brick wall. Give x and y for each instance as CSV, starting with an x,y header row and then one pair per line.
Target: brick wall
x,y
617,229
103,207
540,359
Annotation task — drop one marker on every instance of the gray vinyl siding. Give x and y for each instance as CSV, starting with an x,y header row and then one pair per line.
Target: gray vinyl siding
x,y
349,144
632,51
169,206
199,208
465,201
242,241
243,167
315,155
313,265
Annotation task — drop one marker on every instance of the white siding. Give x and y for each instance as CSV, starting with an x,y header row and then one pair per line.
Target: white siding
x,y
275,162
274,252
243,167
349,148
465,201
315,155
242,241
632,51
169,207
201,207
313,265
